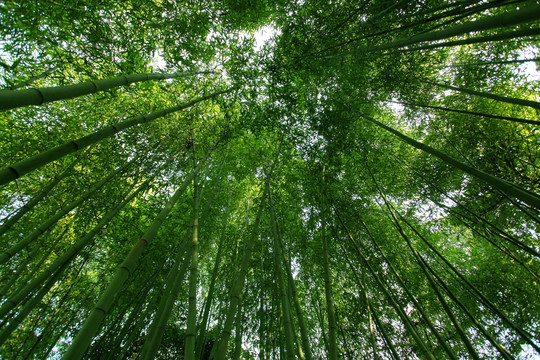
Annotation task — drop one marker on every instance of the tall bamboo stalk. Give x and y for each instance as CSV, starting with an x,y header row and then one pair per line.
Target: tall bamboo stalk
x,y
173,283
51,221
506,99
93,322
238,286
403,316
211,288
306,345
503,185
65,258
330,311
512,18
475,113
9,222
278,270
37,96
23,167
457,326
191,331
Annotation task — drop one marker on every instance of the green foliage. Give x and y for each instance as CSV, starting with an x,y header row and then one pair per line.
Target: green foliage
x,y
303,99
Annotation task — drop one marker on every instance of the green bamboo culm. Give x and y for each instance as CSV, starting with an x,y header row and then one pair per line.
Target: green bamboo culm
x,y
93,322
503,185
24,83
278,271
40,278
506,99
467,112
37,96
51,221
517,17
406,320
175,280
457,326
9,222
330,307
403,285
15,322
191,331
299,313
220,348
515,34
23,167
210,294
516,61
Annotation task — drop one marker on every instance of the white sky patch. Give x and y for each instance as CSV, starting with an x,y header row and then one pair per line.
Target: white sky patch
x,y
529,68
397,109
158,62
264,35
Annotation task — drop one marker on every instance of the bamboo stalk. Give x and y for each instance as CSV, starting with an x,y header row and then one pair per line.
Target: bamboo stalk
x,y
23,167
37,96
93,322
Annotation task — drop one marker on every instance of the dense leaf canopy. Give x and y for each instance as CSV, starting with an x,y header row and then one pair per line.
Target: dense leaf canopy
x,y
283,179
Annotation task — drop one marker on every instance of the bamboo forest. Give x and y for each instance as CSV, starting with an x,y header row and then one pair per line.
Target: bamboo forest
x,y
287,179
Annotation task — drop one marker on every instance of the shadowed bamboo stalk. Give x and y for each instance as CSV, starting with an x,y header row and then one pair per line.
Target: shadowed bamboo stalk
x,y
428,271
517,17
37,96
21,267
175,279
476,292
299,313
460,9
51,221
32,303
23,167
220,348
238,333
372,336
467,112
330,310
127,325
502,350
138,317
9,222
376,16
403,316
506,99
503,185
516,61
59,334
404,286
457,326
261,311
482,222
278,270
516,34
140,323
191,331
210,295
67,257
93,322
43,75
508,35
220,351
384,334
